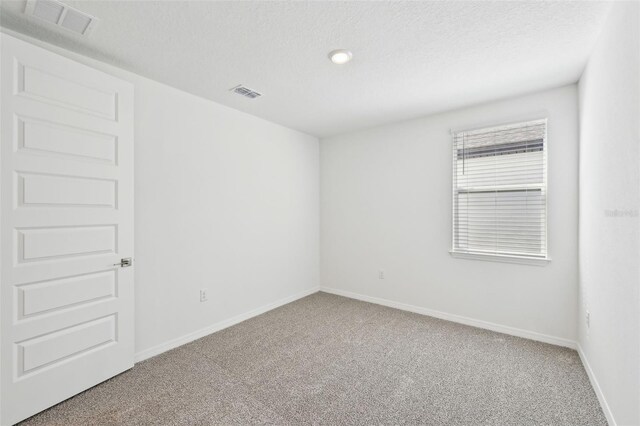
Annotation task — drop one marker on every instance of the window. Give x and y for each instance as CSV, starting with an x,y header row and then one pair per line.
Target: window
x,y
500,191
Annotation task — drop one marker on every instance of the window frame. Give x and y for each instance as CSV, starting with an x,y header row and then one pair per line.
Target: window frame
x,y
507,257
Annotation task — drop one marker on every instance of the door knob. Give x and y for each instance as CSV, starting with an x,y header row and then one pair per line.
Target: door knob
x,y
124,262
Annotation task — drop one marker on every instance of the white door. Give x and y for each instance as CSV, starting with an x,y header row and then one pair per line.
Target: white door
x,y
66,217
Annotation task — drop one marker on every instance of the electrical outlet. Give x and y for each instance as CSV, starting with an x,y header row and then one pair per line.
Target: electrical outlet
x,y
203,295
588,319
381,274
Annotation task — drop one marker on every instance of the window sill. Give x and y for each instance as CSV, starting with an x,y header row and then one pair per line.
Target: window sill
x,y
502,258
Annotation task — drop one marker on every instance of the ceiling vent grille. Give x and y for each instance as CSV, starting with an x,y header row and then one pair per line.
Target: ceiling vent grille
x,y
246,92
61,15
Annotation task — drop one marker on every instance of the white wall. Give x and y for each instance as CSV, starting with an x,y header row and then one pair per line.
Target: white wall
x,y
609,221
386,204
224,201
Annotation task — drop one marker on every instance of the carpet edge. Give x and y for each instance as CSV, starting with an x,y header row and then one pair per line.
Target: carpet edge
x,y
596,386
220,325
513,331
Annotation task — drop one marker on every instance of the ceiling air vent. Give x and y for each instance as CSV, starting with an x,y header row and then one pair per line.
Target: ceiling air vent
x,y
61,15
246,92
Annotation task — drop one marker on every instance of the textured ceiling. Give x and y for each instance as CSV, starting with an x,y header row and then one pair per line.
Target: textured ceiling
x,y
410,58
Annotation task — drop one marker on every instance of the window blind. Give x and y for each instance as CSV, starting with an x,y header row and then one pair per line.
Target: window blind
x,y
500,190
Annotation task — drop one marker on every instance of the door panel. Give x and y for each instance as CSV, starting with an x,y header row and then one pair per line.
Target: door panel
x,y
66,218
36,189
54,347
65,140
60,90
46,296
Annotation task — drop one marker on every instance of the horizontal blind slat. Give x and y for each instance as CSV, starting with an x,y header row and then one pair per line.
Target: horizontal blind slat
x,y
499,190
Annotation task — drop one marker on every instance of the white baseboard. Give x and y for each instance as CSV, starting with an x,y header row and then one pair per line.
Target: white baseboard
x,y
532,335
596,387
174,343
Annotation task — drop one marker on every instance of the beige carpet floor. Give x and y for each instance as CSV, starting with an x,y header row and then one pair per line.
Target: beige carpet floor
x,y
328,360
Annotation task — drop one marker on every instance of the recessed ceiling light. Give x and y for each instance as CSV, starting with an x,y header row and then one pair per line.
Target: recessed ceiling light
x,y
340,56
